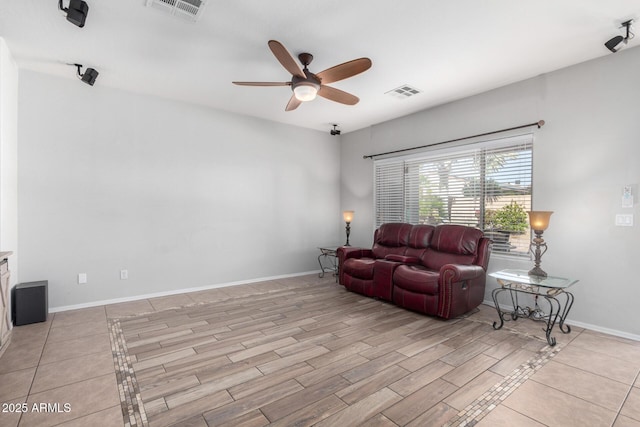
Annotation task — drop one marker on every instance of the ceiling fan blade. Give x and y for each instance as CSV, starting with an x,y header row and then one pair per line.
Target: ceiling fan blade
x,y
338,95
262,83
344,71
284,57
293,103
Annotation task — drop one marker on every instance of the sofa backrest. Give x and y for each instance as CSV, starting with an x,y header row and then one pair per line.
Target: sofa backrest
x,y
434,245
452,244
391,238
419,240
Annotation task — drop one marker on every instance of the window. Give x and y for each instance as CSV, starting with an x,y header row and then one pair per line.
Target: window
x,y
485,185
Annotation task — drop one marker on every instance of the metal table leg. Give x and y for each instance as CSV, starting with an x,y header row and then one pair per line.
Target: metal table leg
x,y
494,295
557,311
321,275
331,256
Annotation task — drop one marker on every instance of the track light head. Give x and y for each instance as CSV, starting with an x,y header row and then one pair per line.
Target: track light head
x,y
76,12
618,42
89,76
335,131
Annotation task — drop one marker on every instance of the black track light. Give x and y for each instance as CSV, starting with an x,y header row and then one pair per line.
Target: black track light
x,y
76,12
618,42
335,131
89,76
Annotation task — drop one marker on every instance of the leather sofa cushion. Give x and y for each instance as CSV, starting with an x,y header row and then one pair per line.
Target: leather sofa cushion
x,y
362,268
393,234
391,238
420,236
381,252
417,279
456,239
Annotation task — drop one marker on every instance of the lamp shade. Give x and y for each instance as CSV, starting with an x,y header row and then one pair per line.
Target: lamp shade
x,y
539,220
348,216
305,92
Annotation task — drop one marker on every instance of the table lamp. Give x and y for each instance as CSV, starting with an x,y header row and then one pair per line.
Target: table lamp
x,y
539,221
348,217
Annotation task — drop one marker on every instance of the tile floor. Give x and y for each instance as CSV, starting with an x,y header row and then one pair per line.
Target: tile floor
x,y
63,370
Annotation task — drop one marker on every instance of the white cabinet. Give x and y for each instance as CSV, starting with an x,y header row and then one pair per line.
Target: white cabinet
x,y
5,303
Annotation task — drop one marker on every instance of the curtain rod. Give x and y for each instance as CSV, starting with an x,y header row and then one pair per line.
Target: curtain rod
x,y
539,123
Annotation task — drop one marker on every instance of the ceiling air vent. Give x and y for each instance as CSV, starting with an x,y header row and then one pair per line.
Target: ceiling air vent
x,y
188,9
403,92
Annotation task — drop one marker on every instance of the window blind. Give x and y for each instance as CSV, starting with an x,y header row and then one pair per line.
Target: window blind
x,y
486,185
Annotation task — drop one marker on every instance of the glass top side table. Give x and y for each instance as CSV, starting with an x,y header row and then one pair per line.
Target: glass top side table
x,y
550,288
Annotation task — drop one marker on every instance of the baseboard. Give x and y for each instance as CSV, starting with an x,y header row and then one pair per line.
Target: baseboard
x,y
595,328
175,292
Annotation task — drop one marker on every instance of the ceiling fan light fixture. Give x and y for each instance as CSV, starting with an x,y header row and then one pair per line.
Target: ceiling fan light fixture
x,y
305,91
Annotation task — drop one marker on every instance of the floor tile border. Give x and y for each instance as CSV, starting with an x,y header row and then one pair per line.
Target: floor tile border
x,y
133,411
489,400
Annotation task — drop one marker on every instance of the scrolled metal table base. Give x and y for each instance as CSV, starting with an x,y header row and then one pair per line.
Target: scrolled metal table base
x,y
557,311
331,256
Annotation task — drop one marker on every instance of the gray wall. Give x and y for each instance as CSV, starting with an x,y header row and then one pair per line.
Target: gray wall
x,y
584,155
181,196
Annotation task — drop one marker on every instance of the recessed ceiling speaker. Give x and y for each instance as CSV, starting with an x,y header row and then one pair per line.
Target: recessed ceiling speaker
x,y
89,76
618,42
76,12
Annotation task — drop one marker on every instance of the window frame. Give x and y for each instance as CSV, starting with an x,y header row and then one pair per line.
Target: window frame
x,y
398,167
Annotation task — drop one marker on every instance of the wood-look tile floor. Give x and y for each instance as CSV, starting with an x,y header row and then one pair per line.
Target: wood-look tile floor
x,y
304,351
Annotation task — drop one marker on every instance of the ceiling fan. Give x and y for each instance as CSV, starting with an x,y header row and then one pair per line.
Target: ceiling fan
x,y
306,85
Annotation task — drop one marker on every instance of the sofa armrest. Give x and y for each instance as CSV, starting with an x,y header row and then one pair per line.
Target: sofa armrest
x,y
346,252
485,246
403,259
461,289
453,273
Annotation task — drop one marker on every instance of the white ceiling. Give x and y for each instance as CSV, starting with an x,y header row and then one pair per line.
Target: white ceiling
x,y
447,49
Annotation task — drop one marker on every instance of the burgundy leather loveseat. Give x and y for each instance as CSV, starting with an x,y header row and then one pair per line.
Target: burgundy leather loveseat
x,y
436,270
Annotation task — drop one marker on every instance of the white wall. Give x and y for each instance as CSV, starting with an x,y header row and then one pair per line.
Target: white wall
x,y
584,155
8,158
180,195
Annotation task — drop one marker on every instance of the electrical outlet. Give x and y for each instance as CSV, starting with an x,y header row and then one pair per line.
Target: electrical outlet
x,y
82,278
124,274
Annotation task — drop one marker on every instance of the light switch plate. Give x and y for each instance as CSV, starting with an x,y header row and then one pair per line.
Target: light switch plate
x,y
624,220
